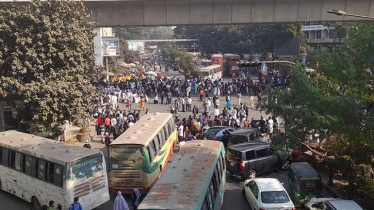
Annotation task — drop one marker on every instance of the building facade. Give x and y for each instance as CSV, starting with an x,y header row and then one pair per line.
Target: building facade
x,y
323,36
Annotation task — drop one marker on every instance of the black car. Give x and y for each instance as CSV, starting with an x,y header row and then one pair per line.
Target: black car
x,y
250,159
219,133
243,135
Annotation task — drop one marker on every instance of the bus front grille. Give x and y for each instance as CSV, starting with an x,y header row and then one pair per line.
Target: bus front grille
x,y
127,174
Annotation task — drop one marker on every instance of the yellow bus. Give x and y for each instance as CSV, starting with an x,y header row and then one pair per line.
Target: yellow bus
x,y
194,180
139,155
212,72
38,170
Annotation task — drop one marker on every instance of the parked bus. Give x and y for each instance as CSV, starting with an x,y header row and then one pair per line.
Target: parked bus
x,y
139,155
38,170
205,62
194,180
217,59
212,72
229,61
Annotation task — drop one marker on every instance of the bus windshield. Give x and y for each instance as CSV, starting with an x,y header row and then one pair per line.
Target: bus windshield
x,y
204,73
87,167
126,157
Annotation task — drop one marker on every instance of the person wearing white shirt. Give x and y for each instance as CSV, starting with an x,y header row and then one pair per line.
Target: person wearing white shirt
x,y
271,126
180,132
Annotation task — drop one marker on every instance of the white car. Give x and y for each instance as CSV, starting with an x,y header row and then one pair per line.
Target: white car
x,y
267,193
331,204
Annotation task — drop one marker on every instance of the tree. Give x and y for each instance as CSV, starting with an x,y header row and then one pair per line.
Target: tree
x,y
338,100
184,60
46,60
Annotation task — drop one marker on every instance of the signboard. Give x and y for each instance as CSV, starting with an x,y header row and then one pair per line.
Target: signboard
x,y
312,28
136,46
110,46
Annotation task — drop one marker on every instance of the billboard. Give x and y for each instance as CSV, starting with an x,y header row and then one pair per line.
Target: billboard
x,y
136,46
110,46
287,47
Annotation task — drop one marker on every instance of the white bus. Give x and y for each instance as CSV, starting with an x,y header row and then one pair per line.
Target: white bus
x,y
38,170
212,72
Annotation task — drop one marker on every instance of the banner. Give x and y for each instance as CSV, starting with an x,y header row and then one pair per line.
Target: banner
x,y
110,46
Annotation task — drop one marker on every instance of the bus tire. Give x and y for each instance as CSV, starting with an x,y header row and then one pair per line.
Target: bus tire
x,y
35,203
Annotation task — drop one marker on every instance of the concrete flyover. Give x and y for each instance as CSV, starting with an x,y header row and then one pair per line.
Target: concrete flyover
x,y
203,12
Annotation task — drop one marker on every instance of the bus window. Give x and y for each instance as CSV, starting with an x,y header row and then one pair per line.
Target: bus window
x,y
156,144
50,172
17,163
161,139
151,152
28,165
166,131
12,159
205,204
57,175
41,169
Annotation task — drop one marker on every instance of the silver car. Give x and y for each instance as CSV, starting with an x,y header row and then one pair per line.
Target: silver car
x,y
332,204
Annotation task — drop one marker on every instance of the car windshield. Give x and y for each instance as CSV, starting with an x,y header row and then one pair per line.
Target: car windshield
x,y
274,197
211,132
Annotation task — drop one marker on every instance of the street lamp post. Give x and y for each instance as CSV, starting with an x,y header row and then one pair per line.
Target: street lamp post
x,y
343,13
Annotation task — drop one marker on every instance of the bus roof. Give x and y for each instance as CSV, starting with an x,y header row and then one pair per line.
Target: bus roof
x,y
44,148
230,55
143,131
217,55
303,170
186,178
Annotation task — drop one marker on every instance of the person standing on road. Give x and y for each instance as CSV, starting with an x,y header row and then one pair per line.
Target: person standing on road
x,y
188,104
76,205
136,199
195,111
120,203
183,102
51,205
180,132
142,103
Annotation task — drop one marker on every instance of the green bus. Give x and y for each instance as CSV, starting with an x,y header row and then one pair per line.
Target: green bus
x,y
305,183
139,155
194,180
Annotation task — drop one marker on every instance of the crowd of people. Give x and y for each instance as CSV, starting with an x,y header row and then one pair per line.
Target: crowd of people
x,y
223,103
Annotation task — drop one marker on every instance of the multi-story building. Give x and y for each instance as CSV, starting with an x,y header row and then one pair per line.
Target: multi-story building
x,y
323,36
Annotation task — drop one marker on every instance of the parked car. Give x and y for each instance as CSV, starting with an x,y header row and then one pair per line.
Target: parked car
x,y
250,159
267,193
243,135
332,204
220,133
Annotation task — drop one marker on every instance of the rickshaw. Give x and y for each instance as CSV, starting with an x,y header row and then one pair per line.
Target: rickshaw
x,y
305,183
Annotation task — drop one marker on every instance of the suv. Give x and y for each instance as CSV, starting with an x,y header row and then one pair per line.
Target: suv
x,y
243,135
249,159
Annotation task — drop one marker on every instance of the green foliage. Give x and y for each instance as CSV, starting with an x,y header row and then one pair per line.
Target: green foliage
x,y
184,60
238,38
45,61
334,100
